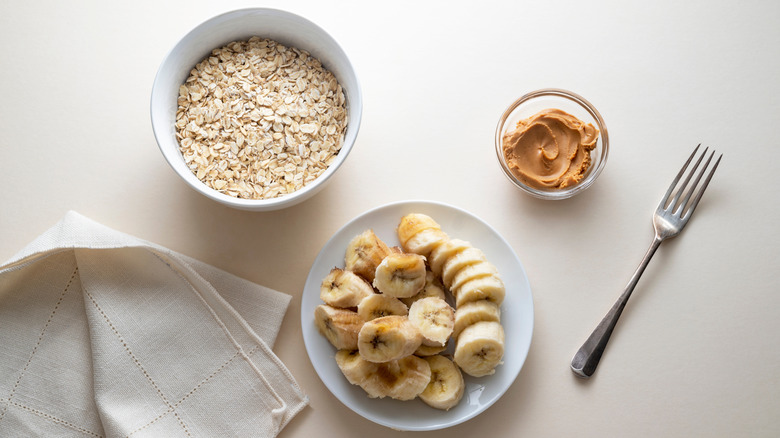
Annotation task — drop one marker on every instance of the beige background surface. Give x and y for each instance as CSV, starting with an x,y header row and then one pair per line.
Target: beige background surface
x,y
697,351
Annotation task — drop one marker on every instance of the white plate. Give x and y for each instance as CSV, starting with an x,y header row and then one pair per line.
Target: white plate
x,y
516,316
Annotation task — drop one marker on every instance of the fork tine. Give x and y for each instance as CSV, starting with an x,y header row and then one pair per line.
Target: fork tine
x,y
681,208
674,205
677,179
704,186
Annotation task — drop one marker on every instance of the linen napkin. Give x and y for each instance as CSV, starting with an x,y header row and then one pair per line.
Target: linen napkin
x,y
104,334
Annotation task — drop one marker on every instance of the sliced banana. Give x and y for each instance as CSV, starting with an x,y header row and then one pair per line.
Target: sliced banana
x,y
446,387
340,326
474,312
388,338
402,379
459,261
429,350
489,288
342,288
354,367
432,288
471,272
400,275
412,224
392,345
378,305
479,348
425,241
364,253
415,374
434,318
444,252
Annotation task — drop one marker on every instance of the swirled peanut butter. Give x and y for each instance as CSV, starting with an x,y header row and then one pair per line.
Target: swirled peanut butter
x,y
550,149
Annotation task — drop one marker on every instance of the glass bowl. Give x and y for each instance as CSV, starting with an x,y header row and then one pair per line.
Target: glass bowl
x,y
576,105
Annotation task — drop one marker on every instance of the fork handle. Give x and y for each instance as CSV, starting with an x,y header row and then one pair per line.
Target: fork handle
x,y
587,358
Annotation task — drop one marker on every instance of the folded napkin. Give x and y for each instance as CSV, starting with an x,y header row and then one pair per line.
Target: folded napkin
x,y
104,334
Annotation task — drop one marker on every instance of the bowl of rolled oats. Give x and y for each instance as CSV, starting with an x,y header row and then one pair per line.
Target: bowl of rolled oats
x,y
256,108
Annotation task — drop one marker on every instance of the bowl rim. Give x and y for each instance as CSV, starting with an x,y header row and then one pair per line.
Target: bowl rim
x,y
557,194
354,106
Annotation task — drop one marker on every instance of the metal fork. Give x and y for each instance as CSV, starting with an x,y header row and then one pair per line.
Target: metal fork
x,y
668,221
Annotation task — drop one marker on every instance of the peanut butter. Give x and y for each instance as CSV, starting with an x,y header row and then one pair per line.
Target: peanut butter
x,y
550,149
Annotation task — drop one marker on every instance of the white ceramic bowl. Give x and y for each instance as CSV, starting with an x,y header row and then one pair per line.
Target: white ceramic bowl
x,y
285,27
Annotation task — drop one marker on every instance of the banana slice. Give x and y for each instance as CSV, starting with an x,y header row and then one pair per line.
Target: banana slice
x,y
412,224
388,338
474,312
340,326
354,367
479,348
429,350
432,288
400,275
378,305
489,288
446,388
459,261
471,272
364,253
444,252
434,318
425,241
342,288
402,379
415,374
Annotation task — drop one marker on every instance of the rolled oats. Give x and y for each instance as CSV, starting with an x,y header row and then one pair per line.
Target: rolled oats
x,y
257,119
